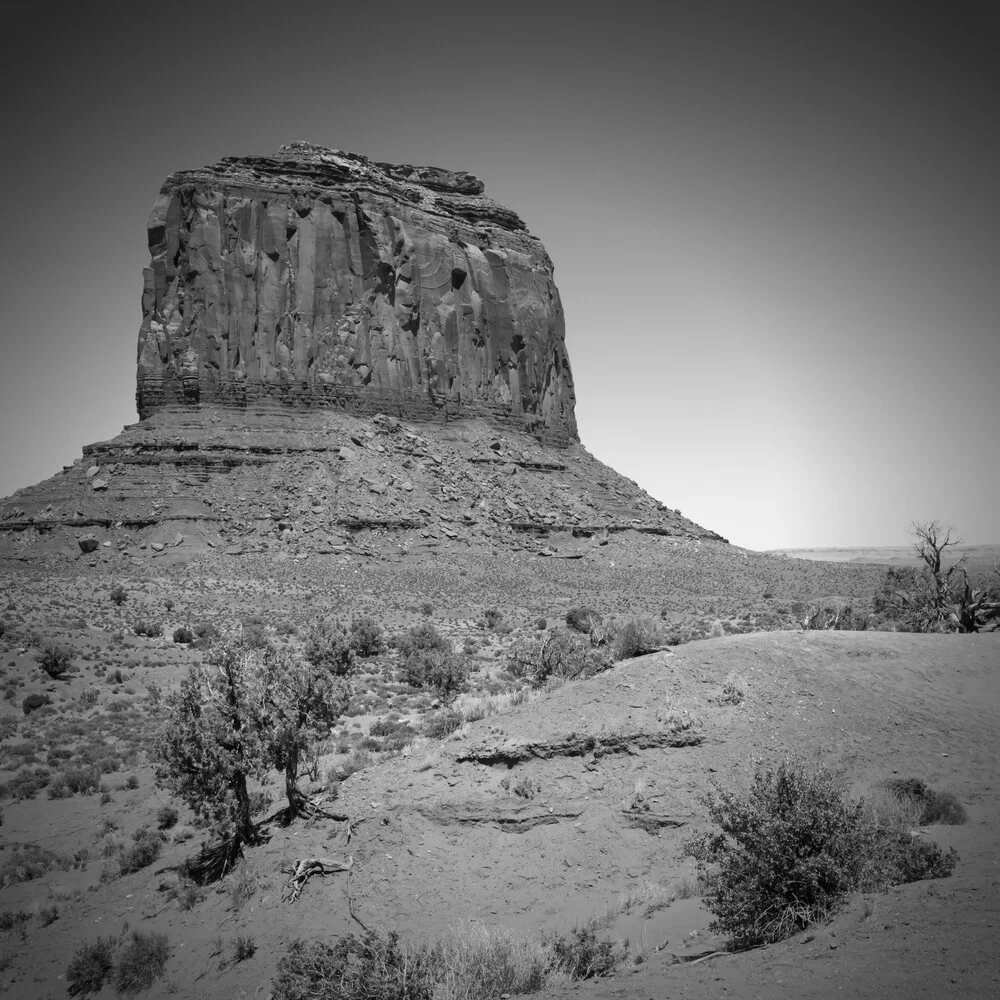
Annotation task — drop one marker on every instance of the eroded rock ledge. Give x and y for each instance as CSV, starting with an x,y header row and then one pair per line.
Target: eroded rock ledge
x,y
317,278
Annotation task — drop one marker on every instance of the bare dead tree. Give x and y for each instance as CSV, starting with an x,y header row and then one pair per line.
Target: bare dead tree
x,y
932,539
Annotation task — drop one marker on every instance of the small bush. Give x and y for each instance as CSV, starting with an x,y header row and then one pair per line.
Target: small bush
x,y
55,659
441,724
34,701
583,619
915,859
490,962
244,948
25,785
636,638
785,854
10,919
376,967
440,670
141,962
206,634
582,955
491,618
119,595
166,817
29,861
126,859
329,648
419,638
366,636
935,807
560,654
88,698
77,780
148,627
91,966
183,635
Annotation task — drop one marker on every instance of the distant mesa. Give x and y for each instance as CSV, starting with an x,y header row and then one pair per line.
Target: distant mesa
x,y
318,278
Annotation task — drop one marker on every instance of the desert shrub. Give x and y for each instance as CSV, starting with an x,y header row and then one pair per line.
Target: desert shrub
x,y
55,659
329,647
843,618
148,627
582,955
491,962
166,817
88,698
935,807
29,861
914,859
124,859
33,702
636,637
91,965
784,855
79,780
382,727
427,608
244,948
541,624
419,638
441,724
242,885
366,636
119,595
11,919
440,670
582,619
206,634
140,962
183,635
25,785
376,967
187,892
491,618
560,654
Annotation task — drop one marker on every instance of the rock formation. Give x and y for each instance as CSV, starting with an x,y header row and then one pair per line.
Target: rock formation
x,y
339,356
316,278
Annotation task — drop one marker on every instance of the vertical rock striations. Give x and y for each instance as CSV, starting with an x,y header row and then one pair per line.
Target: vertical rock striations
x,y
316,278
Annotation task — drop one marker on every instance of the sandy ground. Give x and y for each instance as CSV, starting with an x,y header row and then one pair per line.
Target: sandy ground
x,y
440,839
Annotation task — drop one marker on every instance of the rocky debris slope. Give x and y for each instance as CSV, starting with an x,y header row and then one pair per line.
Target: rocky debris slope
x,y
317,278
273,481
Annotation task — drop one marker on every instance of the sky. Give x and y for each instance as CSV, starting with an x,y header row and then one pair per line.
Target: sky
x,y
775,226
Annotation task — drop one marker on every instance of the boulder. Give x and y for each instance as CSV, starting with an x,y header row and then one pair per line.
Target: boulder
x,y
87,543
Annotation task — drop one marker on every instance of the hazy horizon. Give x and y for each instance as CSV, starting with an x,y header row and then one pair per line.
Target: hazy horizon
x,y
774,226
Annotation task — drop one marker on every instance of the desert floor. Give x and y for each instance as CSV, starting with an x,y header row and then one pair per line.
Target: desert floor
x,y
609,772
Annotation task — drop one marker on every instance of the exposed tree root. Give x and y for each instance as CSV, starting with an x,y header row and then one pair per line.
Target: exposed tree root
x,y
303,870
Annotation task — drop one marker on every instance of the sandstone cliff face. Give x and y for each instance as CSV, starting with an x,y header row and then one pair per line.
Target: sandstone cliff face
x,y
315,278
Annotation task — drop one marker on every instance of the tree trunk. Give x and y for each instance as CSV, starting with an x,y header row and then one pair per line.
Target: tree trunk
x,y
296,800
246,832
